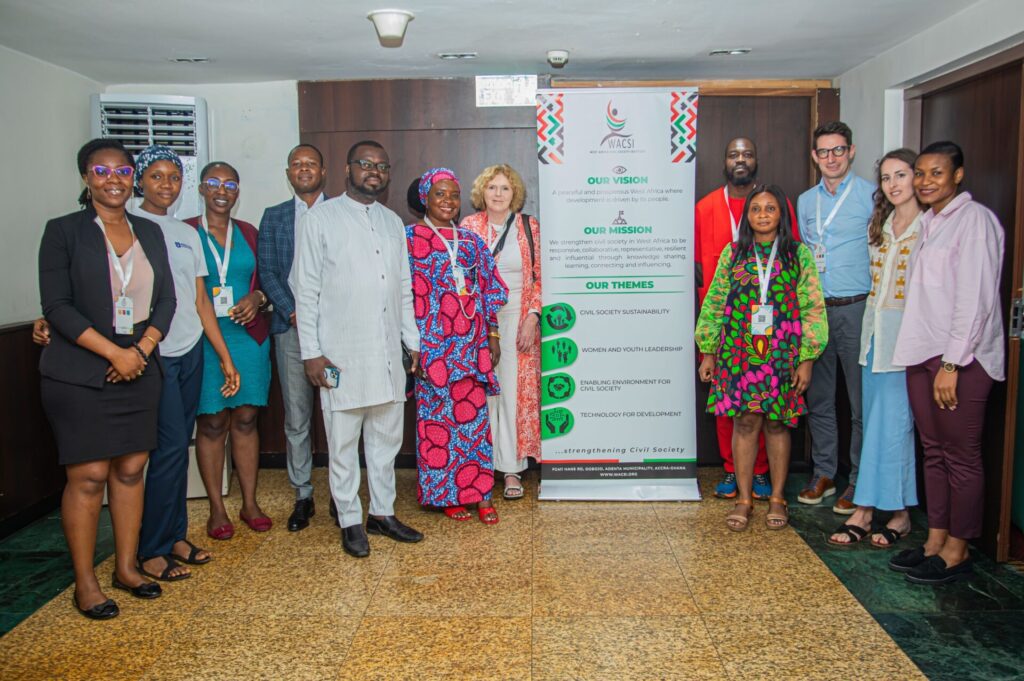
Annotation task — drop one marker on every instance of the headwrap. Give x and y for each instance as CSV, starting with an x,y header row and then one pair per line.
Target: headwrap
x,y
151,155
433,175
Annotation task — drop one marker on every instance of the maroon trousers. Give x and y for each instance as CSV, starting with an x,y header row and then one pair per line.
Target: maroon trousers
x,y
953,474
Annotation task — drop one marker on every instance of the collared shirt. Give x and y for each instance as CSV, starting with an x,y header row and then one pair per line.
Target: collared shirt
x,y
883,311
953,290
845,239
353,299
185,256
300,211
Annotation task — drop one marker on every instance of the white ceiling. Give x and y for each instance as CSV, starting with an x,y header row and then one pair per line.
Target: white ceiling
x,y
121,41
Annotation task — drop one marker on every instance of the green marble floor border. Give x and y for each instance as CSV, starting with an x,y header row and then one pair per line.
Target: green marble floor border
x,y
966,630
35,566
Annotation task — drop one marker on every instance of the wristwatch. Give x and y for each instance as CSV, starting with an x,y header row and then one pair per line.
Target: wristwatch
x,y
950,368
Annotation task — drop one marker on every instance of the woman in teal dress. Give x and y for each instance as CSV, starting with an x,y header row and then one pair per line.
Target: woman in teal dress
x,y
761,327
229,246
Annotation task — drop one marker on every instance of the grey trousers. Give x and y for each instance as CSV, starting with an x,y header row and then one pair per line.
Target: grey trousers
x,y
297,395
844,326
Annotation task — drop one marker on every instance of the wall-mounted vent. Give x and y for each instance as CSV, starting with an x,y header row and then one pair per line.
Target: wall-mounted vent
x,y
138,121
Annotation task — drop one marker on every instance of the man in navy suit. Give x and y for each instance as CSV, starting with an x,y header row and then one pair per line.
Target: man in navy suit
x,y
276,250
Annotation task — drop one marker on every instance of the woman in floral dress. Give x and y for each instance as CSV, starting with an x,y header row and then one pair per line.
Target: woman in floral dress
x,y
457,293
761,327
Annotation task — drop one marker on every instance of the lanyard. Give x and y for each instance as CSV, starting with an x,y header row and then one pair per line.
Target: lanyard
x,y
452,247
764,276
222,265
732,218
498,242
124,275
831,216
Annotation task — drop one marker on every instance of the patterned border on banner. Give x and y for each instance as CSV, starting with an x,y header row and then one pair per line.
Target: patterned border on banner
x,y
684,126
550,128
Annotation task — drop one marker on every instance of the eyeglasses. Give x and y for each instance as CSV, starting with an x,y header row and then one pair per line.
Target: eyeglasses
x,y
214,183
370,165
838,152
104,172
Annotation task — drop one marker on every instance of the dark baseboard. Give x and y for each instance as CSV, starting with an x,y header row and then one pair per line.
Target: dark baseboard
x,y
29,514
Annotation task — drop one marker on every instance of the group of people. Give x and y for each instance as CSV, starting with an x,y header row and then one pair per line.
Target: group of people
x,y
897,282
153,329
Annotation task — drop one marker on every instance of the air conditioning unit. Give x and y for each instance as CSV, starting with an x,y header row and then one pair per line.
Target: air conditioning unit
x,y
180,123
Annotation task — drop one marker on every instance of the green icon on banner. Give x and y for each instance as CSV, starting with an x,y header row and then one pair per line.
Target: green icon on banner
x,y
557,318
558,353
556,388
555,423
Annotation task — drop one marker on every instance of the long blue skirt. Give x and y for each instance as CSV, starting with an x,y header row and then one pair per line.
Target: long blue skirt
x,y
887,479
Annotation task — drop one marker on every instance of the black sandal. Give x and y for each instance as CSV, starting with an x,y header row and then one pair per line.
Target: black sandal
x,y
854,533
166,575
890,535
191,559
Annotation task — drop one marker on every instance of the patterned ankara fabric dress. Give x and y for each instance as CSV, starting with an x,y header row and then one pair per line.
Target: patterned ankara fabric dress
x,y
453,434
754,374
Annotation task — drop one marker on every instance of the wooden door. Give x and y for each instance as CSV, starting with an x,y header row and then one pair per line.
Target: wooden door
x,y
982,113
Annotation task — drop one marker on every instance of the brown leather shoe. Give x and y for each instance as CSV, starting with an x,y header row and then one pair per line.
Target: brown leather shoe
x,y
817,489
844,504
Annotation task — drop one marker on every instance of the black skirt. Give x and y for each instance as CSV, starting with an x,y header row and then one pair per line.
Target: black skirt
x,y
102,423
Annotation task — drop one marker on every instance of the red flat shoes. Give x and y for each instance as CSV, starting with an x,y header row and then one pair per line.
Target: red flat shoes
x,y
488,516
224,532
262,524
458,513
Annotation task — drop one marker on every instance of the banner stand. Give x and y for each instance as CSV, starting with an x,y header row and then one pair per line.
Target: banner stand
x,y
617,183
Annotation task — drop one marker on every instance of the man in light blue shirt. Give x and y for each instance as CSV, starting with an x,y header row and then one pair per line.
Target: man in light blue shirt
x,y
834,216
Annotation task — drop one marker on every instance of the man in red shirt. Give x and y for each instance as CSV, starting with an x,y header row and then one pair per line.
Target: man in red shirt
x,y
716,224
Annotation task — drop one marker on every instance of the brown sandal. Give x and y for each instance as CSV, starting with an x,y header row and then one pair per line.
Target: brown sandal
x,y
776,521
736,522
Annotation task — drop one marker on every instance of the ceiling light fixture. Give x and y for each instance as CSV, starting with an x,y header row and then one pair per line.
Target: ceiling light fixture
x,y
456,55
734,52
390,25
188,60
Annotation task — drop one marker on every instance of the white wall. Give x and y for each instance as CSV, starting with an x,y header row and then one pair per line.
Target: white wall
x,y
871,94
253,126
44,116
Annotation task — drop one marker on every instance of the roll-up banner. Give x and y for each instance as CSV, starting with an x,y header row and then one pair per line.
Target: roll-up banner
x,y
618,413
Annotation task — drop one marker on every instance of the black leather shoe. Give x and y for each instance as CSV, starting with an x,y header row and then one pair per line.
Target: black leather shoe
x,y
104,611
334,513
907,560
299,519
147,590
934,571
354,541
392,527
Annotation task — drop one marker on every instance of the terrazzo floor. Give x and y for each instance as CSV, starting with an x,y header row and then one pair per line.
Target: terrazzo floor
x,y
556,590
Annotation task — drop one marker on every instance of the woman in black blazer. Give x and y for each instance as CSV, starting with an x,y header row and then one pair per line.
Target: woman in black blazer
x,y
107,293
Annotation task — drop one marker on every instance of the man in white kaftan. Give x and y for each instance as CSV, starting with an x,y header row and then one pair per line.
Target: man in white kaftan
x,y
353,299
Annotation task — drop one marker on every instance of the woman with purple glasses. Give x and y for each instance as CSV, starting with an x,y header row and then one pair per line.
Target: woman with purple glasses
x,y
107,294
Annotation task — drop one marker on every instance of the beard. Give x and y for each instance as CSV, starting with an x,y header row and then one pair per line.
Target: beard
x,y
370,191
742,180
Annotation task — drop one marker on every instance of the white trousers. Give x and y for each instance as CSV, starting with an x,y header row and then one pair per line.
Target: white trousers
x,y
381,427
502,407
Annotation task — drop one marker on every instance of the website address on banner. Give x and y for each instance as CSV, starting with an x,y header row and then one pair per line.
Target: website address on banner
x,y
629,414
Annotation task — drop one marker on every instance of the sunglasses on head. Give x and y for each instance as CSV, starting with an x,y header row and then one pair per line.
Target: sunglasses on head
x,y
106,171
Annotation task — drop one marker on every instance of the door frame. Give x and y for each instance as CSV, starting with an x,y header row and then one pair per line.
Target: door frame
x,y
912,124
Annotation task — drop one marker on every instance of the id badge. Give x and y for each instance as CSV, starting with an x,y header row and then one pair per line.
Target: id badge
x,y
761,320
223,300
124,316
819,259
460,281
